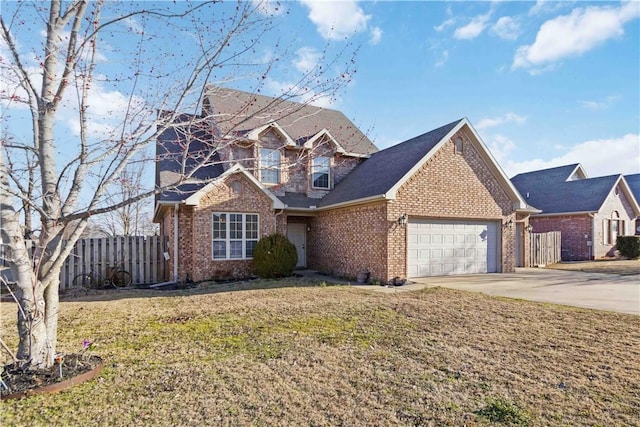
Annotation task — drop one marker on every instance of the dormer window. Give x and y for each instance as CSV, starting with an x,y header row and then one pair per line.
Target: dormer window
x,y
320,172
269,166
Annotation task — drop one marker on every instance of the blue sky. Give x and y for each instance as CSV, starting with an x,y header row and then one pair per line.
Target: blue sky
x,y
544,83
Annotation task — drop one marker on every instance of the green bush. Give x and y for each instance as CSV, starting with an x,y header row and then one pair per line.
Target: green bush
x,y
274,256
629,246
502,411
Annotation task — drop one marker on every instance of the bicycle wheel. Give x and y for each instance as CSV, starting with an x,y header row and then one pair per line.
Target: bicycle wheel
x,y
121,278
84,280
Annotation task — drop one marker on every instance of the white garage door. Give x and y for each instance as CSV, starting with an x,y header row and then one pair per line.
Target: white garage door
x,y
439,247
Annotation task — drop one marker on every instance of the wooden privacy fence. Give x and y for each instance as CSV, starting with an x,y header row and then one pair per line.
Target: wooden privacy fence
x,y
142,256
544,248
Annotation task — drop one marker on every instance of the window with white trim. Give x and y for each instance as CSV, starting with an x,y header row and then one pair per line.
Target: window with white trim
x,y
320,172
235,235
269,166
613,228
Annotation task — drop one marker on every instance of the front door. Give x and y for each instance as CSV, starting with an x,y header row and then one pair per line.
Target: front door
x,y
297,234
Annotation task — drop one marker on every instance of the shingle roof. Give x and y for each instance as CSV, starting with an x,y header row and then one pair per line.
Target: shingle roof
x,y
237,112
378,174
550,191
193,142
634,185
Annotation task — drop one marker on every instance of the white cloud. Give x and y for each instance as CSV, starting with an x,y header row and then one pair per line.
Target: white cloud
x,y
337,20
545,6
445,24
506,28
500,146
572,35
443,59
473,29
376,35
598,157
307,59
599,105
487,123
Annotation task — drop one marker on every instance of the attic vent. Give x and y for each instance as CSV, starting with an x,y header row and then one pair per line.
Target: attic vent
x,y
459,145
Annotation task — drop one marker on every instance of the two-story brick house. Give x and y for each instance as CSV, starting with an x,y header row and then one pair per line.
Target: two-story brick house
x,y
435,204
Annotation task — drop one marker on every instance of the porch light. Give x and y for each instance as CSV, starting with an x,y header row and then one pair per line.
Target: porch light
x,y
529,228
402,221
507,224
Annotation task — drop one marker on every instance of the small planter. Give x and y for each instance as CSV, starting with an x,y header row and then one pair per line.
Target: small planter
x,y
59,386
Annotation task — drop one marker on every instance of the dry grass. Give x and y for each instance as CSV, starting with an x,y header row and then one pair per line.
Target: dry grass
x,y
340,356
610,266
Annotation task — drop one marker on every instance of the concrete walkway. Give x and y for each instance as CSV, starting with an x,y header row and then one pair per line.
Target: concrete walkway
x,y
611,292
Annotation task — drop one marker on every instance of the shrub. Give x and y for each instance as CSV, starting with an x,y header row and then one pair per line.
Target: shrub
x,y
502,411
629,246
274,256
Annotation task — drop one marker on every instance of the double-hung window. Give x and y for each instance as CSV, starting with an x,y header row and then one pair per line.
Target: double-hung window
x,y
320,171
235,235
269,166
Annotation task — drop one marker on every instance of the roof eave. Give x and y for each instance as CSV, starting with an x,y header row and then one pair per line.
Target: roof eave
x,y
348,203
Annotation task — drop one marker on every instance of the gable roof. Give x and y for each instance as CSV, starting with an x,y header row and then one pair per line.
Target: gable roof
x,y
549,190
380,176
238,113
634,184
180,150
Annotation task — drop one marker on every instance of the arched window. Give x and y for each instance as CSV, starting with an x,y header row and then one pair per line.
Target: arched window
x,y
613,228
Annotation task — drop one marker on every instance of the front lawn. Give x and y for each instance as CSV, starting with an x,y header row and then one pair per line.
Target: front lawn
x,y
325,355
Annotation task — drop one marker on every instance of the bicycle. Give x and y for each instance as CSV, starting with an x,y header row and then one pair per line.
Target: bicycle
x,y
96,280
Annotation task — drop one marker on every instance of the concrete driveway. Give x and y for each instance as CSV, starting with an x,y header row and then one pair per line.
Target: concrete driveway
x,y
611,292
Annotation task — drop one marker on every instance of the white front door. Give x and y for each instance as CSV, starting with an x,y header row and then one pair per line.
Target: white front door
x,y
297,234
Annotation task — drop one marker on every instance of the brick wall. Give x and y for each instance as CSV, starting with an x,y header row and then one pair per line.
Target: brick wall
x,y
345,241
195,229
575,227
572,228
619,204
452,185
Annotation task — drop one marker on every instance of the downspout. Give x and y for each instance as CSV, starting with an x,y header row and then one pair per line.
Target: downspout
x,y
592,249
175,242
276,217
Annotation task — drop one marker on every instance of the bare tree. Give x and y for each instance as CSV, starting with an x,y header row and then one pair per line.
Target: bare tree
x,y
168,52
133,219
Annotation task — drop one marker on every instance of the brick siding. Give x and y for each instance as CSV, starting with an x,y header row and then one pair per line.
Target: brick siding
x,y
573,229
453,186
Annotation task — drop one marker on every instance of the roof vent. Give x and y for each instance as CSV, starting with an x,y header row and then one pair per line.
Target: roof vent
x,y
527,194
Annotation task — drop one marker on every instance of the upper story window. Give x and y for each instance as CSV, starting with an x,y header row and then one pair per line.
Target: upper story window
x,y
269,166
320,171
235,235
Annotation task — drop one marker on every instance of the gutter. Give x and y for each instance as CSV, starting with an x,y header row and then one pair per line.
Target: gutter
x,y
354,202
566,214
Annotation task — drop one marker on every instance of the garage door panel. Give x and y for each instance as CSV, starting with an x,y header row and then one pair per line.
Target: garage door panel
x,y
438,247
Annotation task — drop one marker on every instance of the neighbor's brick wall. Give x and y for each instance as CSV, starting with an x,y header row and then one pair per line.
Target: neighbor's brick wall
x,y
572,228
196,229
344,241
451,185
613,203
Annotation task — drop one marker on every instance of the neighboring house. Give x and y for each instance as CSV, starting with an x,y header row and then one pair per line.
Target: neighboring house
x,y
589,212
634,185
433,205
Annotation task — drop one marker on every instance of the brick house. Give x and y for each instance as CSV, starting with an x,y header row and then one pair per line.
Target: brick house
x,y
634,185
589,212
433,205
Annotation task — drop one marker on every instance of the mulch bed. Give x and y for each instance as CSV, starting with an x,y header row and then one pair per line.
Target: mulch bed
x,y
20,380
